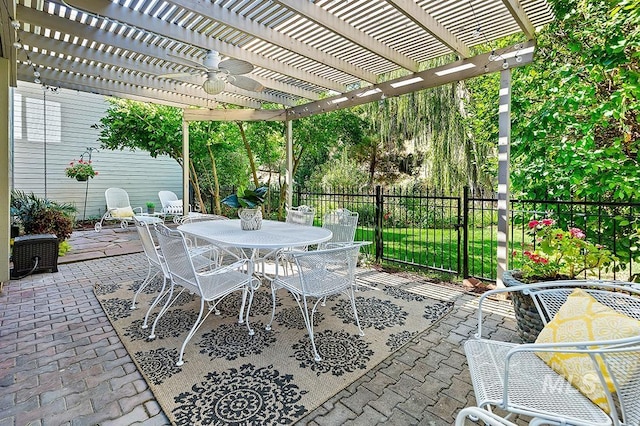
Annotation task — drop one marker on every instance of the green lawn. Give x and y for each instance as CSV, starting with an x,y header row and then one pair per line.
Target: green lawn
x,y
438,248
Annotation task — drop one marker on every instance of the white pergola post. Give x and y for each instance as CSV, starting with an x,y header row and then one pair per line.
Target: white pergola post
x,y
289,173
185,166
504,142
5,130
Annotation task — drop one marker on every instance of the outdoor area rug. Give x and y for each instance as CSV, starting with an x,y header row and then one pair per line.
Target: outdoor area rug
x,y
230,377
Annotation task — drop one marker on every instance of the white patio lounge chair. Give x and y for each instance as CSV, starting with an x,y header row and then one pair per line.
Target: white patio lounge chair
x,y
320,273
584,368
171,205
118,208
211,286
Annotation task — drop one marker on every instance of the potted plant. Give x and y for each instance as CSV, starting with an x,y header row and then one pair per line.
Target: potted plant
x,y
45,225
151,208
248,202
559,255
81,170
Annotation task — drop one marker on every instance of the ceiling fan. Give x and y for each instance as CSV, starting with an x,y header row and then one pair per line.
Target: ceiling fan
x,y
219,73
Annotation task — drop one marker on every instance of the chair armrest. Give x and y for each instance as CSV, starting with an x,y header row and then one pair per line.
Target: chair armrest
x,y
232,267
139,209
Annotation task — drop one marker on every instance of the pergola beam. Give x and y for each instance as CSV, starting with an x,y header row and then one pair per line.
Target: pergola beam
x,y
111,88
234,115
445,74
521,18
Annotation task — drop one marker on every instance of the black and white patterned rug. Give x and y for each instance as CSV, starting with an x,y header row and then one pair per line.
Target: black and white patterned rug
x,y
230,377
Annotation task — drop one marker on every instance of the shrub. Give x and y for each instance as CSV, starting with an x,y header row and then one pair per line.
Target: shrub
x,y
41,216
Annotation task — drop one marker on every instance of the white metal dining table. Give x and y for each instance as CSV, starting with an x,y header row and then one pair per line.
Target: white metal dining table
x,y
273,234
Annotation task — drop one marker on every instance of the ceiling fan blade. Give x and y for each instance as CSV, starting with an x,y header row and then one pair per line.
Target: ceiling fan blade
x,y
235,66
188,62
246,83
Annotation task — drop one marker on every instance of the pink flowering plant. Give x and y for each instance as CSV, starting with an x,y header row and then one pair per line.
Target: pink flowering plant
x,y
561,253
80,169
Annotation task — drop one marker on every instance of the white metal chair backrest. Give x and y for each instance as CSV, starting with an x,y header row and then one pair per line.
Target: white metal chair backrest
x,y
150,248
116,198
301,215
549,300
326,271
177,259
342,223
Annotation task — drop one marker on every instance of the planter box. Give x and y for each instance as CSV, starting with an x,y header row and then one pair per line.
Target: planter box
x,y
527,317
34,253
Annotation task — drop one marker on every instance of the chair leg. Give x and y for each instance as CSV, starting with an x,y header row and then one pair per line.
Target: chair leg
x,y
352,296
308,320
242,306
98,226
157,300
191,333
144,283
273,307
166,305
251,289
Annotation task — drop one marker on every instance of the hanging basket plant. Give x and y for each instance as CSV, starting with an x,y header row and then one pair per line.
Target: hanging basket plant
x,y
80,170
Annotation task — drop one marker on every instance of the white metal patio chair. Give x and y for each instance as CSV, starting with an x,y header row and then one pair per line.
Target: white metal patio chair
x,y
202,258
320,273
211,286
342,223
197,217
301,215
515,378
118,208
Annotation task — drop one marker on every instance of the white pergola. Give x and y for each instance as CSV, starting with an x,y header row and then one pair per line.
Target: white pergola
x,y
311,56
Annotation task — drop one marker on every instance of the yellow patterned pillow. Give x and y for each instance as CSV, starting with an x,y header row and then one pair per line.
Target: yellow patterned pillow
x,y
122,212
582,318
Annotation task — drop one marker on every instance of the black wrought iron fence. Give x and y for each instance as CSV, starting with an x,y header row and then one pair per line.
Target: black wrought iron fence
x,y
458,234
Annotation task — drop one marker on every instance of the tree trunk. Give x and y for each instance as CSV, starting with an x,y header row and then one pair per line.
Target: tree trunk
x,y
252,162
196,187
216,183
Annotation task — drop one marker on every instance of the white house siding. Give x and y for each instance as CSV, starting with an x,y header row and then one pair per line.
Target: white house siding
x,y
69,117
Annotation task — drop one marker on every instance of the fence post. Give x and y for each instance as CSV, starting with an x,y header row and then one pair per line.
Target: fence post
x,y
378,223
465,232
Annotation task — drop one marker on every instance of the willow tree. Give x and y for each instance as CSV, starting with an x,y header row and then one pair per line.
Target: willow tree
x,y
427,132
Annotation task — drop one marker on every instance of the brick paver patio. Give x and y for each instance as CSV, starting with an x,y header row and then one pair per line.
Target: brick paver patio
x,y
61,362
